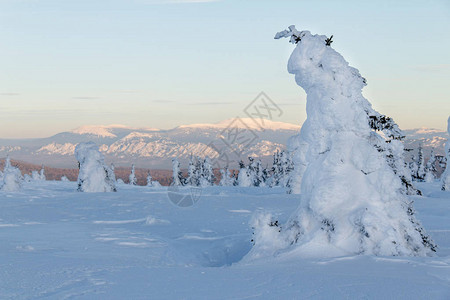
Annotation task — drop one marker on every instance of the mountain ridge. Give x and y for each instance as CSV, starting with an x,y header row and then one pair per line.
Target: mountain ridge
x,y
154,148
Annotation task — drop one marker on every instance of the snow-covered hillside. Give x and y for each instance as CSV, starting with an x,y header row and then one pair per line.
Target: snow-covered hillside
x,y
149,147
135,244
428,138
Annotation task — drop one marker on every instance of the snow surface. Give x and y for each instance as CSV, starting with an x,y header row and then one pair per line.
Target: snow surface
x,y
134,244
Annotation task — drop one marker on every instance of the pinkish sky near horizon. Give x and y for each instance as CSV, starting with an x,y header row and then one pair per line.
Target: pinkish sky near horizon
x,y
161,63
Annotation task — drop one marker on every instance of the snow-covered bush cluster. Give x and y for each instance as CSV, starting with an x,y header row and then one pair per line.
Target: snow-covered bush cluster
x,y
200,173
348,165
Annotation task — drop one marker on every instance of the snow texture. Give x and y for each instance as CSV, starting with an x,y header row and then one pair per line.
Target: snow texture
x,y
135,244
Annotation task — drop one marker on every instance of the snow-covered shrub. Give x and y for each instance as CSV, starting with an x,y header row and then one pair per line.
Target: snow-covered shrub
x,y
446,175
35,175
353,201
64,178
132,180
94,174
151,182
26,178
12,178
266,234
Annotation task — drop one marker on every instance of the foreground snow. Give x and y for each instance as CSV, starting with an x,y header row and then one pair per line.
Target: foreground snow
x,y
57,243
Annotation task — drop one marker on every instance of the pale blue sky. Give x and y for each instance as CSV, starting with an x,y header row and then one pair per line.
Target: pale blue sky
x,y
163,63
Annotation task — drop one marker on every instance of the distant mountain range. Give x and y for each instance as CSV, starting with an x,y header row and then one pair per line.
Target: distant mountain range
x,y
155,148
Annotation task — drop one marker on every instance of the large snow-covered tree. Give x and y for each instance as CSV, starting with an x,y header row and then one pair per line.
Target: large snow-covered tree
x,y
445,178
353,200
94,175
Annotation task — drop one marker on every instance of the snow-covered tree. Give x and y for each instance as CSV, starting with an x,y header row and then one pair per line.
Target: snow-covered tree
x,y
64,178
94,175
149,179
35,175
244,178
42,173
151,182
413,167
445,178
430,168
12,177
420,175
132,180
177,176
207,175
226,179
194,171
275,170
353,201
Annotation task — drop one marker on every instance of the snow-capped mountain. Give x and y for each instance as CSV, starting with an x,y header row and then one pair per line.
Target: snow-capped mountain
x,y
427,137
151,147
154,148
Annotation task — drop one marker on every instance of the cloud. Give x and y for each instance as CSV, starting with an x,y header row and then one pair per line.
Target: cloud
x,y
9,94
290,104
432,68
210,103
85,98
175,1
163,101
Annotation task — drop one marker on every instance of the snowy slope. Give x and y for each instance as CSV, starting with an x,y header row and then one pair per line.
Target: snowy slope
x,y
135,244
